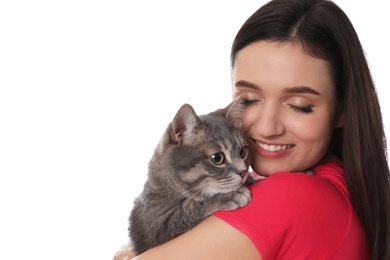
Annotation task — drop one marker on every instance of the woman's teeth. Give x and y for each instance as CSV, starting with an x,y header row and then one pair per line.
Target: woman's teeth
x,y
274,148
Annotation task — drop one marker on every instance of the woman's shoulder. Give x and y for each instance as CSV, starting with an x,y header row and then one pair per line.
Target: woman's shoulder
x,y
324,181
296,208
301,194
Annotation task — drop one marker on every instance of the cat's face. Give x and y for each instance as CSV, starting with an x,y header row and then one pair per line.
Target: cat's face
x,y
213,163
211,152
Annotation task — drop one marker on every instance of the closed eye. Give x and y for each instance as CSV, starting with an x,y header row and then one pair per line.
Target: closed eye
x,y
248,102
302,109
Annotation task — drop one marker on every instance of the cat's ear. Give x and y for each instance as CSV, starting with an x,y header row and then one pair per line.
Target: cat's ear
x,y
235,111
184,123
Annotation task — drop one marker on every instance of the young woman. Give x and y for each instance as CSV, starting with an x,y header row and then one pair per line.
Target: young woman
x,y
311,106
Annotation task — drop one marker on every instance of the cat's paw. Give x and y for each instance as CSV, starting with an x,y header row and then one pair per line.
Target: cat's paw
x,y
242,197
230,201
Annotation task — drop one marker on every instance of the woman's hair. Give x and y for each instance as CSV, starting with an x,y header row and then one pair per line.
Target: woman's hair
x,y
325,32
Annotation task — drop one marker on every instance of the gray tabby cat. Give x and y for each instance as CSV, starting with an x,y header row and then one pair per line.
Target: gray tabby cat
x,y
199,167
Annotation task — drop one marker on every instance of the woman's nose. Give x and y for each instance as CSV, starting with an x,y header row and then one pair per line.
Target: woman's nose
x,y
269,122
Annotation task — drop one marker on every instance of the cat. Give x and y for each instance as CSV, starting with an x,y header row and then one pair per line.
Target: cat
x,y
200,166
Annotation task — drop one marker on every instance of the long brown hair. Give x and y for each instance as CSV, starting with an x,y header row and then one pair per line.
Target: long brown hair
x,y
325,32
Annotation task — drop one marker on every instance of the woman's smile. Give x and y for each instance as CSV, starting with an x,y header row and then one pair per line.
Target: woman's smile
x,y
271,151
274,147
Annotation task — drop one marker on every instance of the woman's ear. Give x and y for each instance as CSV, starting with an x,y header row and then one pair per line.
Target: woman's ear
x,y
339,122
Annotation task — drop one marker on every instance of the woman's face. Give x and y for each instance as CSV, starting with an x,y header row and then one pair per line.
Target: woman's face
x,y
290,105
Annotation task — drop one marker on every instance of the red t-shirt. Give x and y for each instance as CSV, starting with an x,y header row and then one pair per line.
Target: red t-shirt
x,y
301,216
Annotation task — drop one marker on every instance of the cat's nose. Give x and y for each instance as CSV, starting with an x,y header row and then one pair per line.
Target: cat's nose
x,y
244,175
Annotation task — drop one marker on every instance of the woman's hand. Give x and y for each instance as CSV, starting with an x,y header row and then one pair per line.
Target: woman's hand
x,y
125,253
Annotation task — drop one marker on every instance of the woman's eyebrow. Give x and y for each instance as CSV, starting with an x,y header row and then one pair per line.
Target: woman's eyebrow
x,y
291,90
301,90
246,84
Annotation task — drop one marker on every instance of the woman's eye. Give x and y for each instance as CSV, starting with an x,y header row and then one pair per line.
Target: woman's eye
x,y
218,158
302,109
248,102
244,152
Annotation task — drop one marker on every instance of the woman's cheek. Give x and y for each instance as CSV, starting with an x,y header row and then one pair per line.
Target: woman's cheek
x,y
251,116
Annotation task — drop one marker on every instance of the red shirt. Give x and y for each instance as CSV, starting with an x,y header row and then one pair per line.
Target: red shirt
x,y
301,216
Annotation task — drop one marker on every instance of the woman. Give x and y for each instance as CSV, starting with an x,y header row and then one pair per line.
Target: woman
x,y
311,107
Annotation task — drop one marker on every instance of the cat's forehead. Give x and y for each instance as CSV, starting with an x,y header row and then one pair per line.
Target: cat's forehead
x,y
214,120
219,134
219,124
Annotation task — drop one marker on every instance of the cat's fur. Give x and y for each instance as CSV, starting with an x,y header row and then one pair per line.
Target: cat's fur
x,y
184,186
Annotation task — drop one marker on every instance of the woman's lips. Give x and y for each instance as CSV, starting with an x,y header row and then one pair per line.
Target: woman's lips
x,y
272,150
274,147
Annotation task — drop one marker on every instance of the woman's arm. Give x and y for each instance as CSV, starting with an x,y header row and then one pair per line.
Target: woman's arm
x,y
125,253
211,239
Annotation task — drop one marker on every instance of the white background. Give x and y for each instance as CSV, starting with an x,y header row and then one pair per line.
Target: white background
x,y
87,89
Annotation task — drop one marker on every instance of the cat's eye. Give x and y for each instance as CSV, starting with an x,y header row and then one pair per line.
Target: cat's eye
x,y
217,158
244,152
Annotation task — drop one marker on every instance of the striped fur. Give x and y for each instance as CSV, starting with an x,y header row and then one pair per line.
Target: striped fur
x,y
187,178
